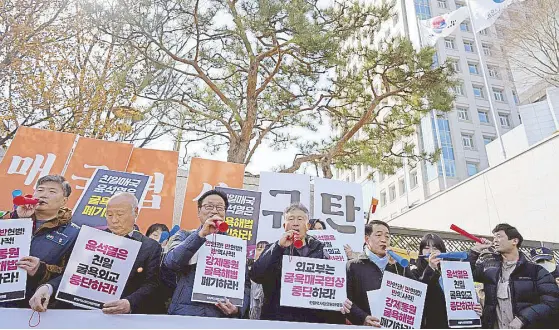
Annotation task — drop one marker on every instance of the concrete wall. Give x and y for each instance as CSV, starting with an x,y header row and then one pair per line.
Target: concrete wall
x,y
514,141
523,191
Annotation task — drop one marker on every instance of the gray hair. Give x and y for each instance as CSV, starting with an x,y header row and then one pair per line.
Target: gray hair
x,y
130,197
66,188
297,207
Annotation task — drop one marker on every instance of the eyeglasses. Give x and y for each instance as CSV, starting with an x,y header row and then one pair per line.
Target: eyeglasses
x,y
210,207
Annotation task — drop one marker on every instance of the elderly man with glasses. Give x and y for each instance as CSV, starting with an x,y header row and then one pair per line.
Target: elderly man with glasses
x,y
182,258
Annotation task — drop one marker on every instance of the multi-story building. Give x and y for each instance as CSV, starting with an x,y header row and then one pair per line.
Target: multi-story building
x,y
463,132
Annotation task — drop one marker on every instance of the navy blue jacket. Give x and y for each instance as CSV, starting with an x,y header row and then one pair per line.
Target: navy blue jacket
x,y
52,243
181,247
267,271
535,296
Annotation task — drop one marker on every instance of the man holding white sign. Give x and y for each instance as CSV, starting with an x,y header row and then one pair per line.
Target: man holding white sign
x,y
143,280
267,270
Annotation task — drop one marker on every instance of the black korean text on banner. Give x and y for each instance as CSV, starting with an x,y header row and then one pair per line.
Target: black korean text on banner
x,y
15,242
399,302
340,205
242,215
220,271
460,294
279,190
332,244
313,283
91,208
98,268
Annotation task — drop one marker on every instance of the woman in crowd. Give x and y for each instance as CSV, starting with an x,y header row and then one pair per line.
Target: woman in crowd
x,y
317,224
154,231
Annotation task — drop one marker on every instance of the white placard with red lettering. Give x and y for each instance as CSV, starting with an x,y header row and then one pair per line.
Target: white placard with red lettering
x,y
332,244
313,283
15,242
220,271
400,302
460,294
98,268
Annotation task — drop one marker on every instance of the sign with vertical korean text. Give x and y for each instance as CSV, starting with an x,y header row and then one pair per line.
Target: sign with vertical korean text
x,y
279,190
30,157
340,205
92,205
332,245
460,294
242,216
89,155
313,283
159,204
204,175
15,242
98,268
400,302
220,272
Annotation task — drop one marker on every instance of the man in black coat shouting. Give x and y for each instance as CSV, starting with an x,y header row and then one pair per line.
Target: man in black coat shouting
x,y
518,294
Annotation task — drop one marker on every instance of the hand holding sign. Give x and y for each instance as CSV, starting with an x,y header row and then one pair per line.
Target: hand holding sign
x,y
29,264
227,307
372,321
121,306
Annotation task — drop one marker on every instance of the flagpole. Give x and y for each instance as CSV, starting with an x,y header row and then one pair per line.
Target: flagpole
x,y
433,112
486,79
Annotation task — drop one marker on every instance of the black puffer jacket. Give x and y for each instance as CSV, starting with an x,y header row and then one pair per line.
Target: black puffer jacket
x,y
434,313
267,271
535,296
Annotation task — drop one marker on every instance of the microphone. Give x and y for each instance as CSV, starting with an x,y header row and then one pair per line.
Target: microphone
x,y
402,261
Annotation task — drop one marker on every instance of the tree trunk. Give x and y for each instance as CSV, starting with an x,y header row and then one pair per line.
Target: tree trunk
x,y
238,150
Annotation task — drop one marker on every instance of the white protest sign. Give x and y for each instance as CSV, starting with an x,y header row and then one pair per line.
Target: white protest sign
x,y
15,242
279,190
340,205
98,268
220,271
400,302
332,245
460,294
313,283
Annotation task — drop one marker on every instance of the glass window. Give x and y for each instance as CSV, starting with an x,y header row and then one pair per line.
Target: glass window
x,y
467,141
454,63
478,92
472,168
463,113
449,43
459,4
473,68
504,120
442,4
486,49
487,139
392,192
413,179
515,97
447,150
493,71
383,198
458,89
484,32
483,116
422,9
402,186
499,94
469,46
465,27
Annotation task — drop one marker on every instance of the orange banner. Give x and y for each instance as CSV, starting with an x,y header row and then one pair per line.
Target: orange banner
x,y
204,175
159,204
91,154
32,154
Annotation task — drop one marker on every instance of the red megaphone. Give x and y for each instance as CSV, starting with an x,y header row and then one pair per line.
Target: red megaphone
x,y
297,241
25,200
221,225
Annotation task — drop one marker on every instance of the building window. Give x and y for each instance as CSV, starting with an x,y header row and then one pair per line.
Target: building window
x,y
472,168
487,139
414,181
454,63
499,94
469,46
459,4
484,32
392,192
473,68
382,198
442,4
449,43
402,186
458,89
483,116
468,141
504,120
486,49
478,92
463,113
447,150
422,9
515,98
465,27
493,71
